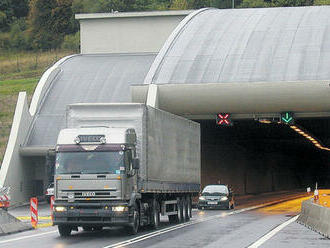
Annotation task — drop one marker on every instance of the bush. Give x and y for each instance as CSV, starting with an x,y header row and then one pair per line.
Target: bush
x,y
71,42
18,38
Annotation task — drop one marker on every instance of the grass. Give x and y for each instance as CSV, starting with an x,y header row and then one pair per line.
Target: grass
x,y
9,90
27,64
20,72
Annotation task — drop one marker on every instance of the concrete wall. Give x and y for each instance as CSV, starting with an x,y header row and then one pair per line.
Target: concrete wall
x,y
127,32
14,170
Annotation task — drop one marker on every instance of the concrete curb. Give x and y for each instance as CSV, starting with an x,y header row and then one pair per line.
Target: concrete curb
x,y
315,217
9,224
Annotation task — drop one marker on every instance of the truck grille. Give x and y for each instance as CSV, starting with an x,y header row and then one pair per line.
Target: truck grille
x,y
84,194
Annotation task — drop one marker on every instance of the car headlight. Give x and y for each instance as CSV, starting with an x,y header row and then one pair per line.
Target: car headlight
x,y
224,198
202,198
59,209
119,208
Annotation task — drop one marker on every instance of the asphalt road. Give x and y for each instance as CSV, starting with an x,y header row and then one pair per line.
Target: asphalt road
x,y
246,226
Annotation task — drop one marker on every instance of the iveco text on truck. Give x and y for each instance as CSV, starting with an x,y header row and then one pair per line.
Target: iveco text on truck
x,y
124,164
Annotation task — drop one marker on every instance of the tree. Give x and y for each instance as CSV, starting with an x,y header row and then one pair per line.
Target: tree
x,y
49,22
62,17
6,14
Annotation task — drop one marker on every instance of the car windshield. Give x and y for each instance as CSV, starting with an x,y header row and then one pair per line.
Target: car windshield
x,y
215,190
90,162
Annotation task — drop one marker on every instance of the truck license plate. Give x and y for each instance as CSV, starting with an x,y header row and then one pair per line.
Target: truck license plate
x,y
212,203
88,194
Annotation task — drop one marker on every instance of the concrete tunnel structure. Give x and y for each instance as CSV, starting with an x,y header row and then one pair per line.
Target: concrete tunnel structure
x,y
252,63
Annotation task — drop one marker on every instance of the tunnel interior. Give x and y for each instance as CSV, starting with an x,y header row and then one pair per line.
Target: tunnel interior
x,y
253,157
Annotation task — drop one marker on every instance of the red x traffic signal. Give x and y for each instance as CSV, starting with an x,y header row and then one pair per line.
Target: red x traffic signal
x,y
224,119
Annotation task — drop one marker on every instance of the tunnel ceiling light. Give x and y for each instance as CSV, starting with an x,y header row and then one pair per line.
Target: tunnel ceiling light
x,y
265,121
309,137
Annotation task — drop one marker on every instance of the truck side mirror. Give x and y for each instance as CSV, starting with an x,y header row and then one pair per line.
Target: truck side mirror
x,y
135,163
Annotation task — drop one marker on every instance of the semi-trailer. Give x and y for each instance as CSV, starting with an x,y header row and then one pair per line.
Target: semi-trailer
x,y
124,164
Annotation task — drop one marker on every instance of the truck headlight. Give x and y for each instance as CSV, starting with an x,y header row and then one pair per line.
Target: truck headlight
x,y
119,208
224,198
59,209
201,198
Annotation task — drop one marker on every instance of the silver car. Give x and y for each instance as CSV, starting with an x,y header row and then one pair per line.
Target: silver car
x,y
49,192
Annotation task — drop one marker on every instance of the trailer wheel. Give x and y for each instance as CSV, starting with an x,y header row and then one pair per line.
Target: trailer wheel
x,y
187,209
64,230
177,218
180,210
133,228
155,215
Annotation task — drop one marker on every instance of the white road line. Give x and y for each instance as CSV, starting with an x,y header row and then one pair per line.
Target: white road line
x,y
26,237
169,229
264,238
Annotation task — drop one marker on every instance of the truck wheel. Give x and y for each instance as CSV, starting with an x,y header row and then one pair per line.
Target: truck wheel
x,y
64,230
155,215
133,228
186,212
189,208
185,209
180,210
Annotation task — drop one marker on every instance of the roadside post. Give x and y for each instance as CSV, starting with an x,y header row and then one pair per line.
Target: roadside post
x,y
51,207
316,194
34,211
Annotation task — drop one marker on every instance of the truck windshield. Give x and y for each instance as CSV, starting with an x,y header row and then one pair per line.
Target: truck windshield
x,y
90,162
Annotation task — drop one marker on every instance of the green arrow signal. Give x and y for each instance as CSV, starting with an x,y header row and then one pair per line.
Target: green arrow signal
x,y
287,118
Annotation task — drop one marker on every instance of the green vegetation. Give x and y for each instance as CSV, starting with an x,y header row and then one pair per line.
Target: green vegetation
x,y
9,90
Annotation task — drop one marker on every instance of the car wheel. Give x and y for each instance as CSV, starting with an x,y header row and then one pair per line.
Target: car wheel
x,y
64,230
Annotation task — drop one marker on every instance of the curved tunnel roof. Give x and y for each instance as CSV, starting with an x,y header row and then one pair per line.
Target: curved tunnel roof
x,y
247,45
86,79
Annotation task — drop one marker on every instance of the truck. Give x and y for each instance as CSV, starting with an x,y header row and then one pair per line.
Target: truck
x,y
124,164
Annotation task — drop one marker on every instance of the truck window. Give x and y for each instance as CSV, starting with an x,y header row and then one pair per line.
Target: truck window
x,y
109,162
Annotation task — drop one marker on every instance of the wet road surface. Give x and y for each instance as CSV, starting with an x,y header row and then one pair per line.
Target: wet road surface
x,y
246,226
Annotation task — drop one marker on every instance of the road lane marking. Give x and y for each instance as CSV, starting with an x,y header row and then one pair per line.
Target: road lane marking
x,y
179,226
270,234
26,237
29,217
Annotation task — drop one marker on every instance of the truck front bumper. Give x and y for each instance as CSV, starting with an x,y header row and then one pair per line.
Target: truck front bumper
x,y
90,215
